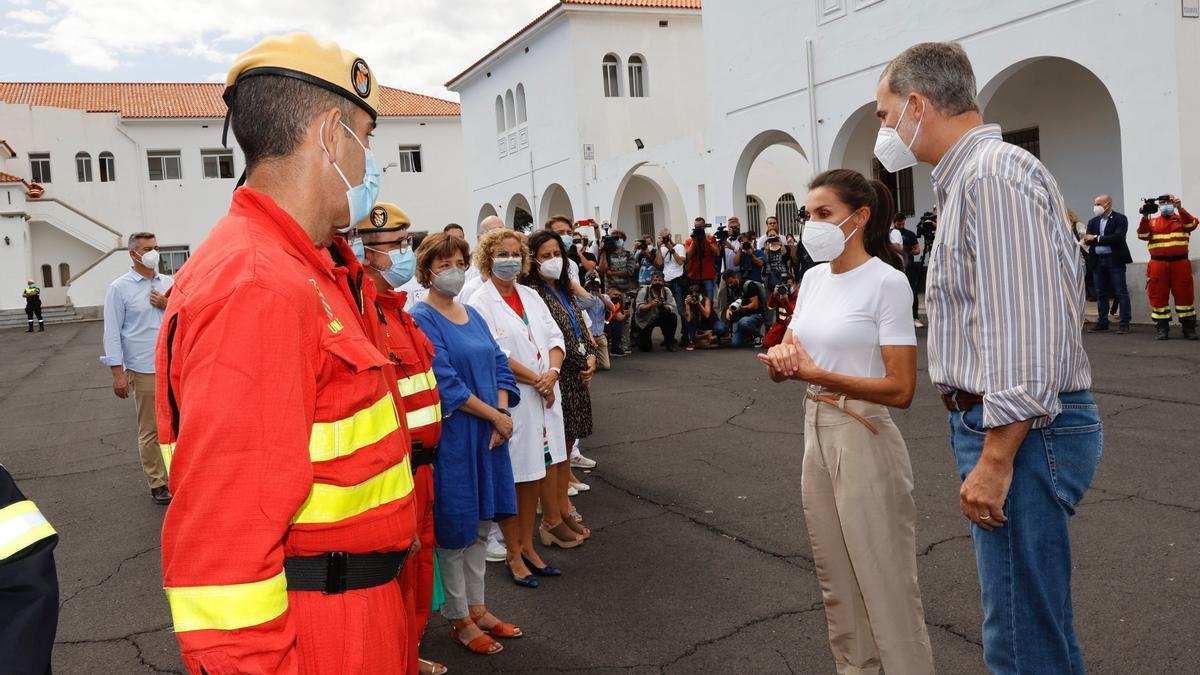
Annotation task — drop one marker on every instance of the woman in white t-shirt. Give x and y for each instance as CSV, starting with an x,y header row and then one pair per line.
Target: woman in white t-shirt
x,y
852,340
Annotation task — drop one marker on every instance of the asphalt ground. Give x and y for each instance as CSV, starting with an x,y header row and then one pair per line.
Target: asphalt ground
x,y
699,562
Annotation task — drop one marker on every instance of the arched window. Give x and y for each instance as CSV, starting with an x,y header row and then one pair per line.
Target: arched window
x,y
499,114
47,276
754,213
64,273
786,211
510,110
83,167
637,76
612,75
108,167
521,116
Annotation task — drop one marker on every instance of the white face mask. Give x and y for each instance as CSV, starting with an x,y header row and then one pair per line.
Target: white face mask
x,y
150,259
551,269
891,151
825,241
1098,210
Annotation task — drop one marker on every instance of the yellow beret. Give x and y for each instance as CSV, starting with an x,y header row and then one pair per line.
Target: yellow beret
x,y
384,218
320,63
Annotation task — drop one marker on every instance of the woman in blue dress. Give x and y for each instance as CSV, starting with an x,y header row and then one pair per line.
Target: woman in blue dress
x,y
473,478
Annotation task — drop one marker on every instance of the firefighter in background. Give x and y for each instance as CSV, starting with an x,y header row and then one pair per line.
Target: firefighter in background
x,y
28,583
385,250
1169,272
287,452
33,306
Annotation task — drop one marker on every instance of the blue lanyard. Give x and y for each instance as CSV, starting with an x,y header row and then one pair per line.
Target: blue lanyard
x,y
570,310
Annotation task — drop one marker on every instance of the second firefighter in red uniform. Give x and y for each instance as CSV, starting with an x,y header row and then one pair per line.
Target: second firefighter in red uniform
x,y
1169,272
384,248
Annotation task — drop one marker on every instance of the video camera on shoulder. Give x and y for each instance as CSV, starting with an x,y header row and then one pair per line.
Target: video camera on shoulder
x,y
722,233
1150,206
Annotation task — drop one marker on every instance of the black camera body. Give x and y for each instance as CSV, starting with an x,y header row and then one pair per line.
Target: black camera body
x,y
722,233
609,241
1150,205
696,298
802,215
781,289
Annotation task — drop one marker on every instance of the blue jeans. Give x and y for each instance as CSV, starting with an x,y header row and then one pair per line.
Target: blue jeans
x,y
746,329
1025,566
1110,281
679,289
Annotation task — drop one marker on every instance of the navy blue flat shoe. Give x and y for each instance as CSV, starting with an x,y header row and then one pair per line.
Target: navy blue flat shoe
x,y
528,582
546,571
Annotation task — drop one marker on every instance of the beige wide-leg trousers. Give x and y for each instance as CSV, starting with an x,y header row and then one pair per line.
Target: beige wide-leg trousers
x,y
857,494
141,385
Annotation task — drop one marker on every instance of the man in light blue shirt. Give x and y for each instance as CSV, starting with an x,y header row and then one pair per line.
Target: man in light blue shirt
x,y
133,312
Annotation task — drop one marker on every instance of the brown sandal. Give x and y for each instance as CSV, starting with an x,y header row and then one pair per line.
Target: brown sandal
x,y
501,629
483,644
561,535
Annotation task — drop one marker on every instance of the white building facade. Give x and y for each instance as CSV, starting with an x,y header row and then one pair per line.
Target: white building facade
x,y
740,103
120,158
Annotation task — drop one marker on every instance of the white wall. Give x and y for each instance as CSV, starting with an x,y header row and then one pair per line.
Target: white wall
x,y
640,191
14,262
51,246
438,195
778,170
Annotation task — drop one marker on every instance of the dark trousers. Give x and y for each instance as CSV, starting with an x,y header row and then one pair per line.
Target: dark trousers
x,y
1110,282
615,330
679,288
913,272
667,322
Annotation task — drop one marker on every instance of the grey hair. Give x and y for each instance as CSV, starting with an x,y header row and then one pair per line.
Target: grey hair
x,y
139,236
271,114
939,71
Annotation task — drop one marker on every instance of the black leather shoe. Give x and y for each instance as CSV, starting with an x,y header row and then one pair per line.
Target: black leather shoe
x,y
546,571
528,582
161,495
1123,329
1098,328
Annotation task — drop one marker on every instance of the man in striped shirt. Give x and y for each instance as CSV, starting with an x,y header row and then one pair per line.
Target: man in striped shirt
x,y
1005,303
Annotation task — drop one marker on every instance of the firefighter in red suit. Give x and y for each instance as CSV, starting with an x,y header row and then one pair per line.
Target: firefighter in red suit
x,y
1169,272
384,248
278,414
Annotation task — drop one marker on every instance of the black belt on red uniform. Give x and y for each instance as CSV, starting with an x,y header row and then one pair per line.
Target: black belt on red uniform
x,y
1169,258
339,572
961,401
422,456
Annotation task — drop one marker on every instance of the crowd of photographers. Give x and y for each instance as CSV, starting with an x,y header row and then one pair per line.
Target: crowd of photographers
x,y
719,286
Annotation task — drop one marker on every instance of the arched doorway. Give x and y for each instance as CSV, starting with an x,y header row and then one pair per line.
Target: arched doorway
x,y
1062,113
485,211
854,148
648,200
519,215
555,202
771,165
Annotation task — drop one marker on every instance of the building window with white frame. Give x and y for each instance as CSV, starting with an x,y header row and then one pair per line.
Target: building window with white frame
x,y
217,163
612,76
410,159
646,219
108,167
83,167
637,76
164,165
786,211
172,258
39,167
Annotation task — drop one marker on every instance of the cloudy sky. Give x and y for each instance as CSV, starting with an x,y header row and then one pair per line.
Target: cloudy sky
x,y
411,44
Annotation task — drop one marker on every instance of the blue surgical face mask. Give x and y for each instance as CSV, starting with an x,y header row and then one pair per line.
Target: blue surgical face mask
x,y
361,198
356,245
404,264
620,243
1167,210
567,240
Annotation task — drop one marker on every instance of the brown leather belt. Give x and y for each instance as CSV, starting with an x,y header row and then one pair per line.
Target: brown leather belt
x,y
961,401
839,401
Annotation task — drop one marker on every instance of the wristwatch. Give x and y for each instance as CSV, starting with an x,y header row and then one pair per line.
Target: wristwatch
x,y
504,411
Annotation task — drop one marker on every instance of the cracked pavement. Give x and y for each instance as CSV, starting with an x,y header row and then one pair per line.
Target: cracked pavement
x,y
700,562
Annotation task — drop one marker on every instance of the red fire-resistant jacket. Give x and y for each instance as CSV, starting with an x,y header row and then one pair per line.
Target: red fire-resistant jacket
x,y
278,417
412,357
1167,236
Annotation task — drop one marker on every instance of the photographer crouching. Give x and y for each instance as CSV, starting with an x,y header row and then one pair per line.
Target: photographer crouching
x,y
1167,227
782,301
656,308
701,327
741,305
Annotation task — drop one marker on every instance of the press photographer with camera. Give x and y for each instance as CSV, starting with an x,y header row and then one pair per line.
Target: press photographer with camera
x,y
909,247
614,328
748,261
656,308
801,261
781,303
648,259
1167,227
618,268
729,237
702,251
740,304
600,309
776,259
699,319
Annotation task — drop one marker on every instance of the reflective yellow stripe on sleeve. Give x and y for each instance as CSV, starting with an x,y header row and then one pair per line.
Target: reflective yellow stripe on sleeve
x,y
330,440
430,414
330,503
417,383
227,607
21,525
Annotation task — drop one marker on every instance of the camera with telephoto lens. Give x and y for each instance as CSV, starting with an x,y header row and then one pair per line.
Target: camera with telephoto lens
x,y
781,289
1150,206
722,233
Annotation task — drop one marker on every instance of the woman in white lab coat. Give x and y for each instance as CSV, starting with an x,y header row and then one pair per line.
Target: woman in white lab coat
x,y
524,329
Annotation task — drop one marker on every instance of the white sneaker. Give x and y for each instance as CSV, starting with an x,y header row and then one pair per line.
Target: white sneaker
x,y
571,491
581,462
496,552
917,323
581,487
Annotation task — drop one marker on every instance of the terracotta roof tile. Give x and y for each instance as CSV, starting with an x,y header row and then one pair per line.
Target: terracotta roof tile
x,y
643,4
149,100
9,178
